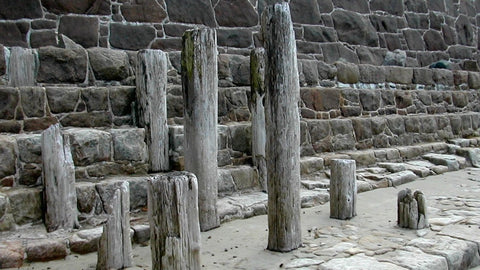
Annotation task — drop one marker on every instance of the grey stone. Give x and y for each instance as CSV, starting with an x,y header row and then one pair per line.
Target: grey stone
x,y
81,29
449,35
101,7
399,75
241,138
61,100
109,65
417,21
89,146
392,167
93,119
143,11
464,30
225,182
371,74
8,155
306,12
167,44
141,233
371,56
29,148
14,34
130,36
452,162
370,100
384,23
96,99
62,65
244,177
33,101
43,38
360,6
347,73
11,254
318,33
121,100
357,262
354,29
186,11
14,10
394,7
423,76
414,258
396,125
434,41
26,204
364,157
129,144
9,98
235,13
395,58
310,165
85,241
414,39
333,52
239,38
419,6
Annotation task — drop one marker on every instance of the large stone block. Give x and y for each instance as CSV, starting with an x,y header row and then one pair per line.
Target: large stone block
x,y
394,7
443,76
354,29
360,6
474,80
26,204
167,44
371,56
239,38
121,100
131,36
417,21
11,254
29,148
33,101
99,7
241,138
465,31
371,74
333,52
46,249
423,76
362,128
96,99
370,100
62,65
186,11
81,29
109,65
14,33
318,129
399,75
8,155
318,33
14,10
238,13
434,41
129,144
9,98
62,100
419,6
306,12
414,39
347,73
384,23
43,38
143,11
89,146
396,124
320,99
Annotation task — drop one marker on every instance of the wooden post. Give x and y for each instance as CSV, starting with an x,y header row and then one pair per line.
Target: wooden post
x,y
257,109
22,67
151,80
58,181
173,217
115,246
412,210
283,129
343,189
200,95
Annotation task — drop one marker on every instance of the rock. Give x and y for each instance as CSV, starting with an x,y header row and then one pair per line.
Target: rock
x,y
235,13
43,38
452,162
14,34
458,253
122,100
423,76
354,29
414,258
333,52
13,10
371,56
8,155
96,99
141,234
321,100
241,138
393,7
128,144
26,204
87,197
318,33
414,39
143,11
401,178
101,7
371,74
33,101
94,119
85,241
302,262
131,36
244,177
185,11
81,29
392,167
10,97
310,165
434,41
61,99
11,254
46,250
347,73
360,6
225,181
363,158
418,170
58,65
239,38
109,65
465,31
399,75
307,12
89,146
357,262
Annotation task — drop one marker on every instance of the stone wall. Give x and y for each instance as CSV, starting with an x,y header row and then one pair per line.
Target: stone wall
x,y
358,31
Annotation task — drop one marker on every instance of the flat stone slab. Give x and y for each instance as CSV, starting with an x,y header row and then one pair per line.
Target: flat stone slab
x,y
359,262
414,258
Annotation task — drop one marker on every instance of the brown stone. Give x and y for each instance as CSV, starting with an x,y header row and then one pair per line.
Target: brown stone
x,y
305,11
61,100
33,101
34,124
11,254
143,11
81,29
109,65
9,98
354,29
43,38
434,41
10,126
14,10
186,11
320,99
14,33
93,119
46,250
97,7
130,36
239,38
167,44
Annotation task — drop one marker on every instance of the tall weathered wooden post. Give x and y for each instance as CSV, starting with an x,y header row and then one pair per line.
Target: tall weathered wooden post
x,y
151,80
257,109
58,181
343,189
173,217
283,129
200,95
115,246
